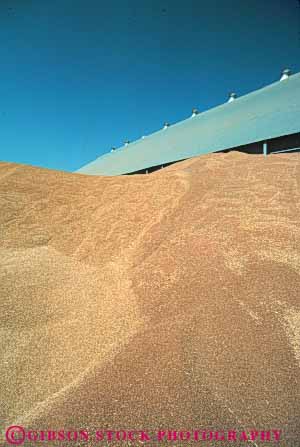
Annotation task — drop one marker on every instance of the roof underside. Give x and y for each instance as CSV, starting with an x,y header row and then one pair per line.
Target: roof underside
x,y
270,112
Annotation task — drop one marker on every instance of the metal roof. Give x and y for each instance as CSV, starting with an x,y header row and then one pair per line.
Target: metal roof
x,y
270,112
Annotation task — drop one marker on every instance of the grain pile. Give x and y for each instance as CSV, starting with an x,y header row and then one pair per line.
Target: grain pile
x,y
168,300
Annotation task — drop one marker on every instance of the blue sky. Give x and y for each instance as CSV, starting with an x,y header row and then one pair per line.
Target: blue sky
x,y
81,76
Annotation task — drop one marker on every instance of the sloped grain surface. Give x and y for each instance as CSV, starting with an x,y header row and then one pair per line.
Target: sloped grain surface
x,y
168,300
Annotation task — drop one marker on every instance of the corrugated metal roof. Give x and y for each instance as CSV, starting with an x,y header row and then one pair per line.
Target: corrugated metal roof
x,y
270,112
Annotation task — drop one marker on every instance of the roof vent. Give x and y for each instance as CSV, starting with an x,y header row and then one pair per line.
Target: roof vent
x,y
232,97
127,142
166,125
143,136
286,73
195,112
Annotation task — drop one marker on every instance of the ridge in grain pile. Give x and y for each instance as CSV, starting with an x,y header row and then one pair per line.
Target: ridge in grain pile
x,y
167,301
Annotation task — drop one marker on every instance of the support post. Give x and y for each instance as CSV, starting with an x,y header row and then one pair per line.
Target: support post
x,y
265,149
